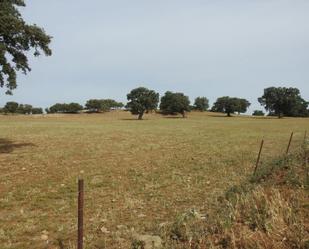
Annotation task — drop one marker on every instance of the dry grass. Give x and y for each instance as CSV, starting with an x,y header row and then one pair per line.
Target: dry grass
x,y
267,211
137,173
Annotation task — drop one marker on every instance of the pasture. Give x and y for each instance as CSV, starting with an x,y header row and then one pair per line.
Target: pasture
x,y
138,174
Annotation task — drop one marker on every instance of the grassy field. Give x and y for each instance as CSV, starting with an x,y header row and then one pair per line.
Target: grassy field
x,y
137,174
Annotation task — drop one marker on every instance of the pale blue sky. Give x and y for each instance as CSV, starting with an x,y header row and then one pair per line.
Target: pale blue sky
x,y
212,48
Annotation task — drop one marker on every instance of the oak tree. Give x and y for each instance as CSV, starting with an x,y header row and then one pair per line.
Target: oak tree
x,y
17,39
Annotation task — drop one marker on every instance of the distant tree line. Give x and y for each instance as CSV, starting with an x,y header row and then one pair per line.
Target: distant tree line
x,y
64,108
14,107
278,101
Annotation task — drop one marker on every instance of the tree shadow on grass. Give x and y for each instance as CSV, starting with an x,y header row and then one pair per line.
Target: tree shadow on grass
x,y
134,119
222,116
8,146
174,117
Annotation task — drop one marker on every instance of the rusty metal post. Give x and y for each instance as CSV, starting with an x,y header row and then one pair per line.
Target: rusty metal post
x,y
259,156
80,232
289,145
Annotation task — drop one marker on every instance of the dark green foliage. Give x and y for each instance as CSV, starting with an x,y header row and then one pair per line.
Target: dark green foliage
x,y
24,109
230,105
74,108
142,100
56,108
94,105
258,113
17,39
242,105
201,104
65,108
37,110
102,105
173,103
112,104
11,107
282,101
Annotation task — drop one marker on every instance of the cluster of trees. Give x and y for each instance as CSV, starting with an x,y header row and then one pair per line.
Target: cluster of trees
x,y
14,107
92,105
283,101
65,108
278,101
142,100
102,105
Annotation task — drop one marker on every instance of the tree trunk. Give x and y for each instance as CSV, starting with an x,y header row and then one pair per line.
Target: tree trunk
x,y
229,114
183,114
140,116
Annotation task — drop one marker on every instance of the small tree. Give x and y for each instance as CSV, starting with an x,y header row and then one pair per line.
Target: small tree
x,y
73,108
94,105
242,105
226,105
173,103
65,108
56,108
142,100
37,110
24,109
111,104
258,113
11,107
201,104
282,101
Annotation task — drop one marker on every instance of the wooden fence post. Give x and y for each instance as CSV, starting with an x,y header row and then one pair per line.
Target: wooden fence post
x,y
80,232
289,145
305,147
259,156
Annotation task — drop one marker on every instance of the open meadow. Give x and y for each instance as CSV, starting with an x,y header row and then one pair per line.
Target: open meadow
x,y
138,174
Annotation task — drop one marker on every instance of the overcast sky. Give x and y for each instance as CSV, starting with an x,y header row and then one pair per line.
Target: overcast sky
x,y
212,48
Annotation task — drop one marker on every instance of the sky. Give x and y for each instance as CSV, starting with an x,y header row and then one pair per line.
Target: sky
x,y
212,48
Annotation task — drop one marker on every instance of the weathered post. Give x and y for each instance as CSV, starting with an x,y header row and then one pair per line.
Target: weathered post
x,y
305,149
259,156
289,145
80,232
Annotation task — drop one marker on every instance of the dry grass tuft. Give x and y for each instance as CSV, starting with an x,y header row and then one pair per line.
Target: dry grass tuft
x,y
261,213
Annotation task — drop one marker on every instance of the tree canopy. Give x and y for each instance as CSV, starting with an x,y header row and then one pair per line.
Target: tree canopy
x,y
173,103
242,105
14,107
142,100
201,104
17,39
24,109
282,101
11,107
65,108
101,105
37,110
230,105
